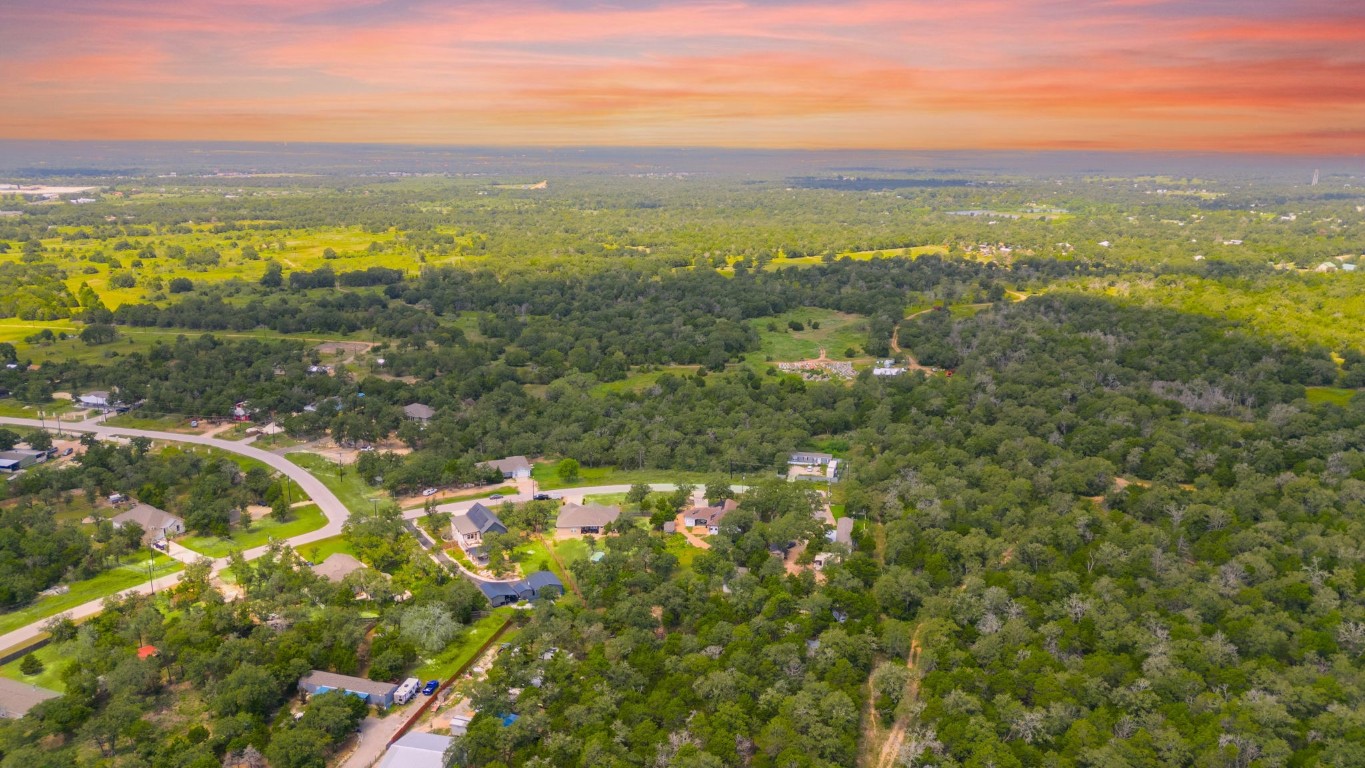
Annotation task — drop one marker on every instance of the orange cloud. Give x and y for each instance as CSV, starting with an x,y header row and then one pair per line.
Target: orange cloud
x,y
876,73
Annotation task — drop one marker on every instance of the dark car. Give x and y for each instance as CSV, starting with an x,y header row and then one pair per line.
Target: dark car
x,y
495,497
431,687
542,497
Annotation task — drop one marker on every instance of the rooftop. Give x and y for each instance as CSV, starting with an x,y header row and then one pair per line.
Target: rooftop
x,y
320,679
580,515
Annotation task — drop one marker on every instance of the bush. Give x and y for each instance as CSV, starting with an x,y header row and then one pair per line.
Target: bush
x,y
795,325
31,665
181,285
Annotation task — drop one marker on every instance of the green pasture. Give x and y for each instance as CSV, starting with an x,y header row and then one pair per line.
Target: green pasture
x,y
838,332
318,551
355,493
547,480
1333,395
457,654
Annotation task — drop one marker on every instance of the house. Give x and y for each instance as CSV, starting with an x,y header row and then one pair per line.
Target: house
x,y
96,399
337,566
157,524
372,692
581,519
1326,266
512,467
417,750
541,584
1348,267
887,371
809,459
419,412
499,593
471,526
537,586
709,517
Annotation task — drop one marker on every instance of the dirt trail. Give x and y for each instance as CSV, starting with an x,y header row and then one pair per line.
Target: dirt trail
x,y
891,748
910,362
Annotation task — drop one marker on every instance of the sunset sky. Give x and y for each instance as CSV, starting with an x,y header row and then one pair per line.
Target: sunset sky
x,y
1276,76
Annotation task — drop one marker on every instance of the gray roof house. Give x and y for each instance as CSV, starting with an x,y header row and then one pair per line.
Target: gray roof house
x,y
499,593
843,531
512,467
471,526
538,585
419,412
157,524
417,750
337,566
579,519
372,692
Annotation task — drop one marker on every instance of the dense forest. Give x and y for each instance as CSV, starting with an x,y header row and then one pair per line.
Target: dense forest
x,y
1108,513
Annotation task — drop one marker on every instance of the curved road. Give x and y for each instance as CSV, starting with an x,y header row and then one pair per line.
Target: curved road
x,y
331,507
335,511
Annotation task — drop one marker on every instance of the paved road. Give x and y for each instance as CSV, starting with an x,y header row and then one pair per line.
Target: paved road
x,y
331,507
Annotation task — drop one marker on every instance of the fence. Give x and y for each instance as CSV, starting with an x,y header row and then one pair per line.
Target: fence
x,y
431,700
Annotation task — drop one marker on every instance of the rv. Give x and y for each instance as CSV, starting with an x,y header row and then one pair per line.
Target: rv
x,y
406,691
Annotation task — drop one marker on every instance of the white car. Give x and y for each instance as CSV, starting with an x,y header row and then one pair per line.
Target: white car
x,y
429,492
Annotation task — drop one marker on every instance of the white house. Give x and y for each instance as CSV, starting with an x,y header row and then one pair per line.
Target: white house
x,y
97,399
512,467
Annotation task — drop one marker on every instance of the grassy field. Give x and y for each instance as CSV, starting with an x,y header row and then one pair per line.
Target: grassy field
x,y
641,380
132,572
547,480
306,518
456,655
889,253
533,555
321,550
1334,395
784,262
54,661
678,546
355,493
837,333
570,550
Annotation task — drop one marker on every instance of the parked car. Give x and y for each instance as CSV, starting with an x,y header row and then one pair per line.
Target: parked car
x,y
495,497
431,687
429,492
194,422
67,452
542,497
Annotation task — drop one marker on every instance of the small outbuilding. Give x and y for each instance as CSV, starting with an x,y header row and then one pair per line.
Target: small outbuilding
x,y
419,412
417,749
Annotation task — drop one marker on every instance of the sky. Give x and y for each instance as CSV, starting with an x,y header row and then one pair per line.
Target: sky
x,y
1257,76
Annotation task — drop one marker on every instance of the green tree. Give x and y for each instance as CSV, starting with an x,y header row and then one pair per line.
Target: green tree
x,y
567,470
30,665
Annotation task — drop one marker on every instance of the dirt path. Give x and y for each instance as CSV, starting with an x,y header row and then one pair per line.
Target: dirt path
x,y
910,362
891,748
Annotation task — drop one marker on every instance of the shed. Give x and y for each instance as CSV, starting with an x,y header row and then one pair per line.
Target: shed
x,y
543,584
499,593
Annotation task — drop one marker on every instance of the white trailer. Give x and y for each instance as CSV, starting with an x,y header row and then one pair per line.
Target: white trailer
x,y
407,690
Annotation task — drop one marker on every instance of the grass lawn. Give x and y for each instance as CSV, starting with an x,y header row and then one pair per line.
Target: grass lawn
x,y
1334,395
353,492
547,480
161,424
570,550
15,409
321,550
618,499
838,332
966,310
532,555
306,518
456,655
678,547
837,510
131,573
54,661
